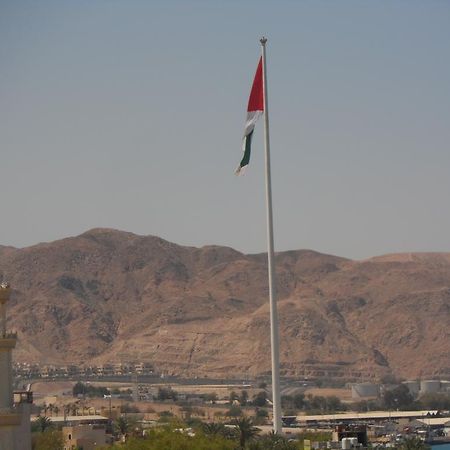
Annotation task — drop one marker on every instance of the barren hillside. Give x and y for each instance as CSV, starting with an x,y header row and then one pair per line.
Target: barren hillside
x,y
110,296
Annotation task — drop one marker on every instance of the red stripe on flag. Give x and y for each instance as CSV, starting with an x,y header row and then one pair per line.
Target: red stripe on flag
x,y
256,100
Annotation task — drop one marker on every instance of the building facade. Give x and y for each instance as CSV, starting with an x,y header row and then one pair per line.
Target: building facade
x,y
15,432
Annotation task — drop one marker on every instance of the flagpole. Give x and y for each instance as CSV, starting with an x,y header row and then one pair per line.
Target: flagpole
x,y
274,340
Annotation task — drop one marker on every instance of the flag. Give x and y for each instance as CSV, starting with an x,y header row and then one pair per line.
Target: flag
x,y
254,111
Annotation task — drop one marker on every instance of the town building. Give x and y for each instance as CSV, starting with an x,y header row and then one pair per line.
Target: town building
x,y
87,437
15,409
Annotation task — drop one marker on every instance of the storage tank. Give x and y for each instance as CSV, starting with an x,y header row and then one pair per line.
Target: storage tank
x,y
363,390
413,386
349,443
346,444
430,386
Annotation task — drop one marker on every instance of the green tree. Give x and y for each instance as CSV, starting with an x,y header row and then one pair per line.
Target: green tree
x,y
79,388
299,401
48,440
213,429
179,439
233,397
260,399
122,426
317,403
334,404
398,398
211,397
243,398
413,443
234,411
261,416
246,430
271,441
435,401
317,436
167,394
42,423
89,390
366,405
293,403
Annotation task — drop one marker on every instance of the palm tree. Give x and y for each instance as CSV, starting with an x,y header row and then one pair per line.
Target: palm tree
x,y
245,429
42,423
122,425
213,429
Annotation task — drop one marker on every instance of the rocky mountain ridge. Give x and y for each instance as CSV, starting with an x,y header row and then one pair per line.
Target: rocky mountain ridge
x,y
111,296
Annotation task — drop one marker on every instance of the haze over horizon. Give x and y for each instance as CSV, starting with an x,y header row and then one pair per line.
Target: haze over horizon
x,y
129,115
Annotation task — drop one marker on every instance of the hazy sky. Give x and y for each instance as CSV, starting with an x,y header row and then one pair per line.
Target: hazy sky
x,y
129,115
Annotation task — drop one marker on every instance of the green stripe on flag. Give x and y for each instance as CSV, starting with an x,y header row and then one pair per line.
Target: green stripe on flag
x,y
248,143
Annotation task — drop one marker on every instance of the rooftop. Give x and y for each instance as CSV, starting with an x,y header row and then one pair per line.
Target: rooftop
x,y
372,415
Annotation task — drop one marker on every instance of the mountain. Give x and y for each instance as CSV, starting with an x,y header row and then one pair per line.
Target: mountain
x,y
111,296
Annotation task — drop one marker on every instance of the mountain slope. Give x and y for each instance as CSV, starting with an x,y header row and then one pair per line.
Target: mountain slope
x,y
109,296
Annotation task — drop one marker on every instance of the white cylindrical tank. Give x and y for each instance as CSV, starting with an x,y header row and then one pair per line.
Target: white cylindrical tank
x,y
413,386
430,386
362,390
353,442
346,444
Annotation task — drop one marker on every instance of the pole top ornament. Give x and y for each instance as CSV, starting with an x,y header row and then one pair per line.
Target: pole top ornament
x,y
263,40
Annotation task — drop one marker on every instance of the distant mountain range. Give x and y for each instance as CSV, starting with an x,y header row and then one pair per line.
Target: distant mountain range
x,y
111,296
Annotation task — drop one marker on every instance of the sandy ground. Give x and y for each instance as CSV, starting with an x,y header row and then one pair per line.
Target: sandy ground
x,y
341,394
59,393
57,388
44,388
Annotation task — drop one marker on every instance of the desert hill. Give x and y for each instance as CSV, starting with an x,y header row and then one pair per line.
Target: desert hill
x,y
110,296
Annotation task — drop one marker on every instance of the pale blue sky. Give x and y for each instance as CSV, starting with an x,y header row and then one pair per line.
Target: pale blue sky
x,y
129,114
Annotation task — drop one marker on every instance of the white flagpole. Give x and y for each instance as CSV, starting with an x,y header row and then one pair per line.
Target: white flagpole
x,y
274,340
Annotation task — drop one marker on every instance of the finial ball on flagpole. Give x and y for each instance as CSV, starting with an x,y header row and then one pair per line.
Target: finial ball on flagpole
x,y
263,40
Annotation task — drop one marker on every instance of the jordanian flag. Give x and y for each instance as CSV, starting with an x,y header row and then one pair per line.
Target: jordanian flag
x,y
254,111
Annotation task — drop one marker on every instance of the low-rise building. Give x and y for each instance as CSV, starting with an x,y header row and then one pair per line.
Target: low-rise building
x,y
15,431
87,437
